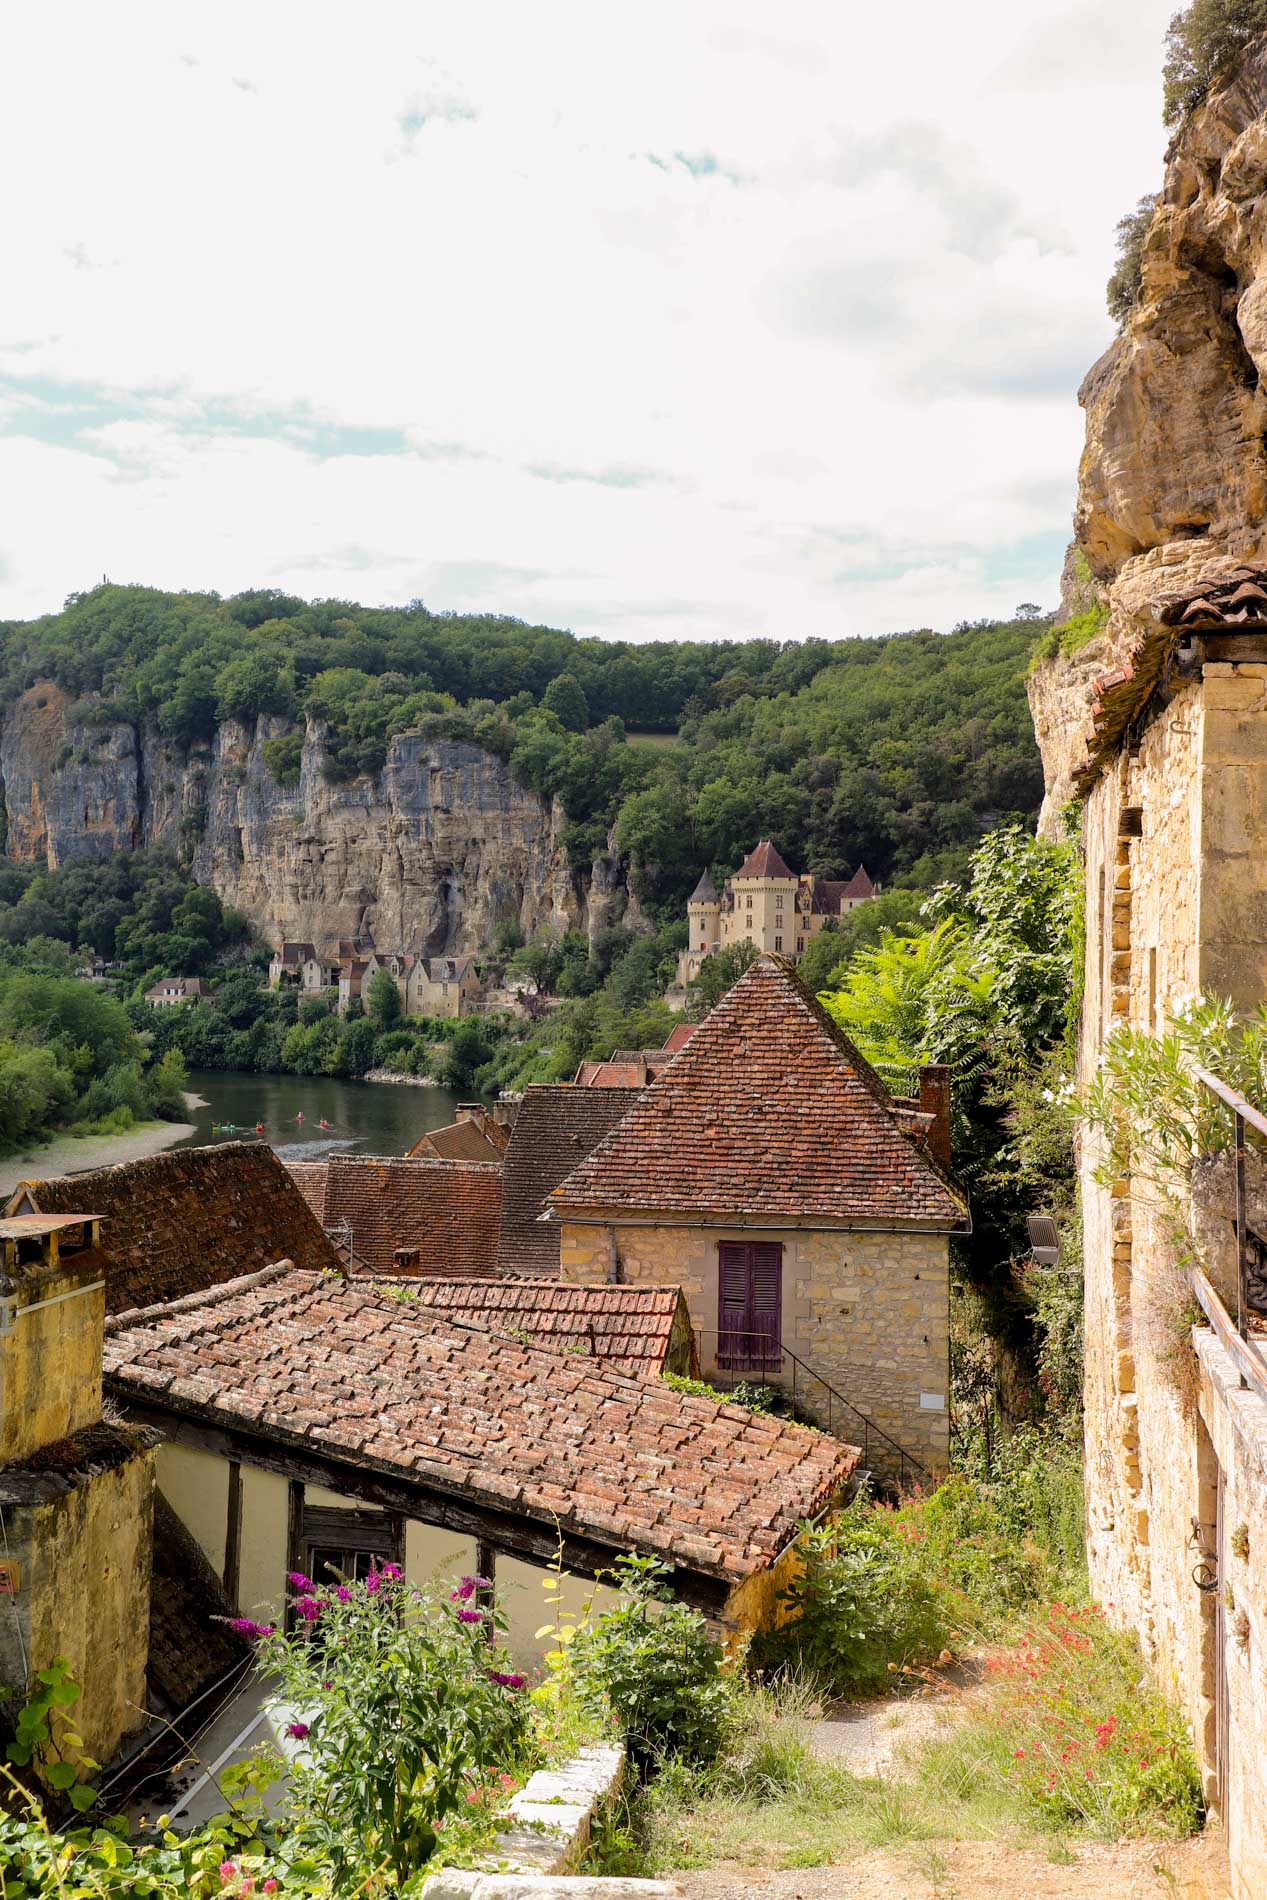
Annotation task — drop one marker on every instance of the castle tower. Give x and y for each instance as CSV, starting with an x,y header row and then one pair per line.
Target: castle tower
x,y
764,902
703,912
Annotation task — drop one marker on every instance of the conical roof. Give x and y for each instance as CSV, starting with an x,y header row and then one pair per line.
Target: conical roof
x,y
860,884
705,891
764,861
769,1111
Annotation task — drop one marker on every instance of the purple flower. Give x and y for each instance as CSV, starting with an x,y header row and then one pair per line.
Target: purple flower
x,y
297,1580
392,1570
309,1608
467,1588
506,1680
298,1730
470,1616
252,1631
343,1593
373,1584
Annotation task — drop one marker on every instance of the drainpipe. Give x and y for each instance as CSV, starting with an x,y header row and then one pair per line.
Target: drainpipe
x,y
613,1259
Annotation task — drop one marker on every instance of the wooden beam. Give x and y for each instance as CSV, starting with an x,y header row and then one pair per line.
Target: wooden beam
x,y
294,1538
515,1532
233,1535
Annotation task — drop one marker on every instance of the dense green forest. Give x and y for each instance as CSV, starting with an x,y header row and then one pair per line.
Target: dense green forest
x,y
896,752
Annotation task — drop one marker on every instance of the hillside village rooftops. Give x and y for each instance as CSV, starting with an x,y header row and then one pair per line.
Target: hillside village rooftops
x,y
475,1425
555,1129
177,1223
771,1114
465,1140
628,1328
448,1212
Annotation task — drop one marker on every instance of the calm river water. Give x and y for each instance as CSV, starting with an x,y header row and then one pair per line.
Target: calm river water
x,y
370,1118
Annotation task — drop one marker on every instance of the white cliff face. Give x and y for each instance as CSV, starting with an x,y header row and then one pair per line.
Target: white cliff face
x,y
429,854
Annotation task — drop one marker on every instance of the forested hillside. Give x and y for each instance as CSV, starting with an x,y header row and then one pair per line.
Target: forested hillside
x,y
896,751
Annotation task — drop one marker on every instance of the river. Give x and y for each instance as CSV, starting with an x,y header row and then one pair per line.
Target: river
x,y
370,1118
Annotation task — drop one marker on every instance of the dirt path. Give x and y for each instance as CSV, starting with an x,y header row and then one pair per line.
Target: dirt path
x,y
985,1870
75,1154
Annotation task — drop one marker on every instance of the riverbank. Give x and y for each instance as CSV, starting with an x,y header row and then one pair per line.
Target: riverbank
x,y
77,1154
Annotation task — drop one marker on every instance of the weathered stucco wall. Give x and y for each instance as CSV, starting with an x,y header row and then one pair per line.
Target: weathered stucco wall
x,y
868,1312
50,1363
84,1568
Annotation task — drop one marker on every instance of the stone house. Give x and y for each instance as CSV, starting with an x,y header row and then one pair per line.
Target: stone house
x,y
1173,778
171,991
805,1212
287,962
765,904
355,976
442,986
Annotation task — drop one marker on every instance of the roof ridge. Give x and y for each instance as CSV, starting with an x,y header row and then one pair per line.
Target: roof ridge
x,y
188,1302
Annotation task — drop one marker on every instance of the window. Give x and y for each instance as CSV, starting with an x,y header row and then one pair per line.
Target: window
x,y
800,945
749,1302
750,900
778,943
347,1541
778,900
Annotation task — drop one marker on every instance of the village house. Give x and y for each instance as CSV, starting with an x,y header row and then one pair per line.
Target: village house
x,y
406,1215
170,991
765,904
355,977
1174,783
478,1134
805,1212
557,1126
429,986
308,1419
633,1068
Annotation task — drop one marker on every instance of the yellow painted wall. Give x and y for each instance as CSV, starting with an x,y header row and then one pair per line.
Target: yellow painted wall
x,y
262,1565
196,1486
50,1364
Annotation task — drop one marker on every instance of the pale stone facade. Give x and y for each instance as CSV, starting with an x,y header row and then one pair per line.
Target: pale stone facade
x,y
865,1311
765,904
1175,833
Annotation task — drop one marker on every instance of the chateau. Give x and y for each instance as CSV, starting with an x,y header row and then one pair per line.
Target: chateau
x,y
765,903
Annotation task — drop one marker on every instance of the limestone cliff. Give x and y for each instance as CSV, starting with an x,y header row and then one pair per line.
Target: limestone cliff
x,y
429,854
1172,487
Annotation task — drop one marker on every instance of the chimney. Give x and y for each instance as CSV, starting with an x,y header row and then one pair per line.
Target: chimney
x,y
52,1309
934,1100
470,1112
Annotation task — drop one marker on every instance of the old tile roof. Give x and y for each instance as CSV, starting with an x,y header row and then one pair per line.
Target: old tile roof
x,y
448,1210
177,986
768,1112
289,952
310,1178
679,1036
764,861
860,884
555,1129
628,1327
465,1140
190,1649
449,969
344,1369
179,1222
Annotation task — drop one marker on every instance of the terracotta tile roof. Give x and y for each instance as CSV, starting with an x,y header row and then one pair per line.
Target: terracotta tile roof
x,y
460,1141
629,1328
860,884
180,1222
769,1111
679,1037
310,1178
347,1370
289,952
189,1649
448,1210
764,861
621,1071
555,1129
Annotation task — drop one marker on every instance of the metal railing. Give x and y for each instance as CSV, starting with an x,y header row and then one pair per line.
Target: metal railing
x,y
1249,1360
765,1359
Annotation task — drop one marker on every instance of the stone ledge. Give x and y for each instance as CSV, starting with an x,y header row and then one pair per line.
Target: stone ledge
x,y
547,1830
455,1884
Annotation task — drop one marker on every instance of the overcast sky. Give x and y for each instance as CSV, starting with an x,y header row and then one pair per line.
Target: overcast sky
x,y
686,320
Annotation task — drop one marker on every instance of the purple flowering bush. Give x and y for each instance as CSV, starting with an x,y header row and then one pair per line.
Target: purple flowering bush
x,y
405,1713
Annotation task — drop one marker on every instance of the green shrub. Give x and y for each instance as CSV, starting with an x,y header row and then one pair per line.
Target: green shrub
x,y
653,1662
283,757
1126,281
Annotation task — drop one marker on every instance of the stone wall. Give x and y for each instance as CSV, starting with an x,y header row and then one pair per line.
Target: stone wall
x,y
868,1312
50,1361
1176,906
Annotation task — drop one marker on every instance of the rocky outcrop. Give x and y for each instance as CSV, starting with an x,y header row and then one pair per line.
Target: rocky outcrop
x,y
430,854
1172,486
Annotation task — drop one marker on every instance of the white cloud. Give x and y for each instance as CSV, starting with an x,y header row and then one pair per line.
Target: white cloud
x,y
649,321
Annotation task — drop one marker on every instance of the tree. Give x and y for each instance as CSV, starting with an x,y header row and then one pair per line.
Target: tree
x,y
469,1048
385,1008
1202,42
718,974
1126,280
565,698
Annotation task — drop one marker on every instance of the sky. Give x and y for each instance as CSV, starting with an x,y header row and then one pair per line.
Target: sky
x,y
694,320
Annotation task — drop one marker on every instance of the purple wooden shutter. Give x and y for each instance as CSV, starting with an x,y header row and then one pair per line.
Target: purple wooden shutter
x,y
732,1301
765,1340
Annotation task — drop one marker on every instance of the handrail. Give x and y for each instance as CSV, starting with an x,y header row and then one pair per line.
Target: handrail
x,y
770,1360
1248,1361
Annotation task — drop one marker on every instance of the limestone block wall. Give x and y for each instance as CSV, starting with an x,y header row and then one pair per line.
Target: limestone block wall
x,y
868,1312
50,1362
